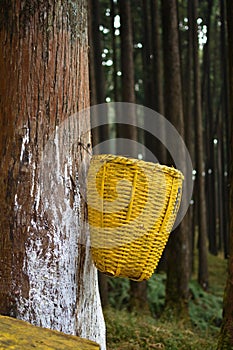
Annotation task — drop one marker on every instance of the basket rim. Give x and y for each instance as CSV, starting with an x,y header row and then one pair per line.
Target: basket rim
x,y
154,166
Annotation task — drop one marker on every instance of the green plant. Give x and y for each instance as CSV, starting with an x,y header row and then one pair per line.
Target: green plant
x,y
205,308
156,293
118,292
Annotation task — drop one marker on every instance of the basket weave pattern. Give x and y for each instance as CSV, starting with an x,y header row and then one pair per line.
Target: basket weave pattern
x,y
132,206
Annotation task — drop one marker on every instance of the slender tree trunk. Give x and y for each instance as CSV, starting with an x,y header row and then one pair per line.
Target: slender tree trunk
x,y
138,299
177,290
153,91
97,93
157,58
189,124
114,53
151,144
220,163
127,68
225,130
127,63
149,94
96,69
47,276
97,49
225,338
211,169
202,225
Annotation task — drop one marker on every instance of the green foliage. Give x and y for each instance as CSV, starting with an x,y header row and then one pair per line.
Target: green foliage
x,y
156,293
205,308
118,292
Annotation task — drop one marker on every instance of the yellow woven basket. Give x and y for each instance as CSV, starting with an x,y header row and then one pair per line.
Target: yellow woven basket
x,y
132,206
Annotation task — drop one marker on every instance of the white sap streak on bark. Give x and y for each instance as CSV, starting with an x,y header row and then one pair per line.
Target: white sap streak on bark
x,y
51,253
33,178
52,248
37,199
24,142
16,204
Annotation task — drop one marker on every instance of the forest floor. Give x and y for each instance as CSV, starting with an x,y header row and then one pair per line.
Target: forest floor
x,y
128,331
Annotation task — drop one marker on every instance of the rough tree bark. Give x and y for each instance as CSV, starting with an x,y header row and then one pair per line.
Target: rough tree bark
x,y
225,337
93,92
47,276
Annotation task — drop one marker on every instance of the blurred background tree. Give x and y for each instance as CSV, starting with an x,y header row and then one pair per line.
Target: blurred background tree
x,y
225,338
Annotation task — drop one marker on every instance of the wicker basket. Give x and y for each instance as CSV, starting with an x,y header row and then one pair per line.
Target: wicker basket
x,y
132,206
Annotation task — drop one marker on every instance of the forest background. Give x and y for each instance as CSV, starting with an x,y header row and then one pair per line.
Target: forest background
x,y
175,57
171,56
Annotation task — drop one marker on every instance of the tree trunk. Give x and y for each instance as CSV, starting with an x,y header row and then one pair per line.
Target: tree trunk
x,y
178,274
138,302
97,94
47,276
138,290
127,68
153,97
209,146
151,144
114,53
225,130
157,59
97,79
225,338
96,46
149,95
127,63
189,126
202,225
